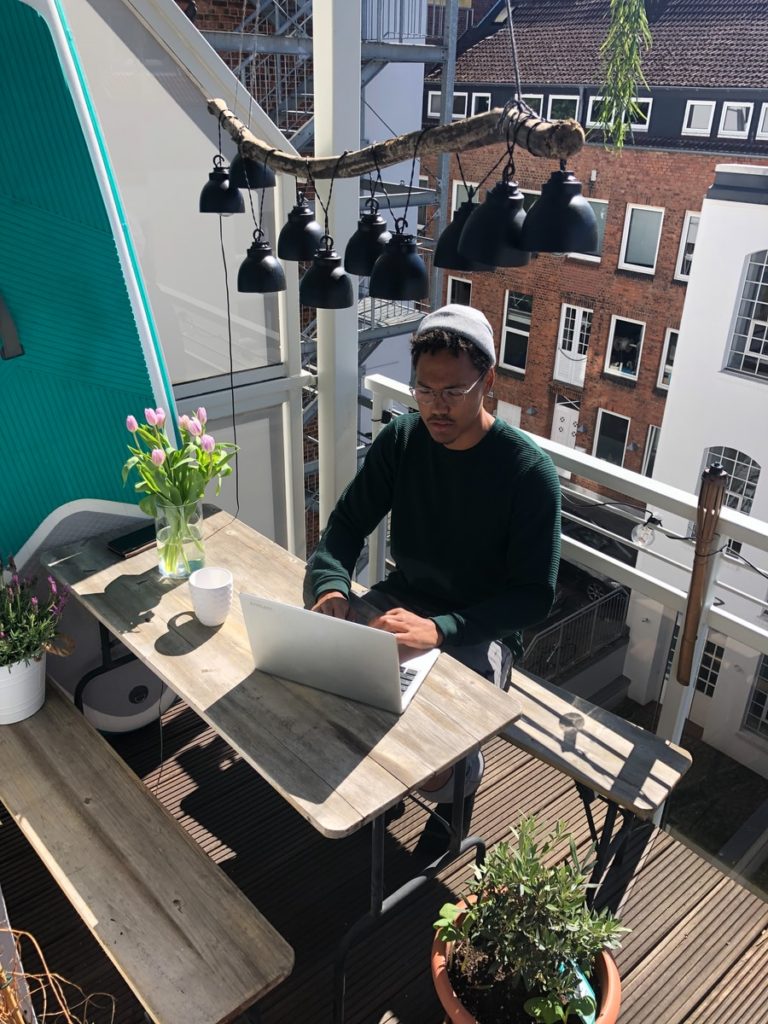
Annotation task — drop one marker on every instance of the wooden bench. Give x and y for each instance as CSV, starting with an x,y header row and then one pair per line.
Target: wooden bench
x,y
632,769
187,941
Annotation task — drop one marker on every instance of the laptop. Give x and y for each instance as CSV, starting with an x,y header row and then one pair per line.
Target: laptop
x,y
335,655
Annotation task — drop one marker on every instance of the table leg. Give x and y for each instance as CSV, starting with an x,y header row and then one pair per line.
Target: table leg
x,y
107,664
606,844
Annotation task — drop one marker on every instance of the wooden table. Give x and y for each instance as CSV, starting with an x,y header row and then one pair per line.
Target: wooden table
x,y
339,763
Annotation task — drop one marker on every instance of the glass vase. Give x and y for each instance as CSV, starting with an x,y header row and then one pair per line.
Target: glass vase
x,y
180,547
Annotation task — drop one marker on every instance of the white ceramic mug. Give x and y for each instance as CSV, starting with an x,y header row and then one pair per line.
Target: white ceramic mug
x,y
211,589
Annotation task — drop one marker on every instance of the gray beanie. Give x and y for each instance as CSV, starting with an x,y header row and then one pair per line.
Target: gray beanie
x,y
469,324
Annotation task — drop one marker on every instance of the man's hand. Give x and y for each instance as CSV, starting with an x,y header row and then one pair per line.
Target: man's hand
x,y
334,603
410,630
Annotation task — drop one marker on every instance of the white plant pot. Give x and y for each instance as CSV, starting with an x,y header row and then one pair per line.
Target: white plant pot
x,y
22,690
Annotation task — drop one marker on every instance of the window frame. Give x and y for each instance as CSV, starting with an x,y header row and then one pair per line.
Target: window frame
x,y
585,256
461,280
635,267
608,352
743,322
528,96
457,184
744,133
760,132
635,126
663,361
430,94
454,115
505,328
563,96
598,424
699,131
477,95
689,215
715,653
651,448
761,677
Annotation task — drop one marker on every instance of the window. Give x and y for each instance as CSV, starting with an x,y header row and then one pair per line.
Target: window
x,y
516,331
709,670
481,101
421,210
640,242
762,124
687,245
625,343
461,194
743,474
560,107
698,117
667,358
535,101
529,198
600,210
748,352
637,118
573,342
459,105
459,290
734,120
651,447
611,437
756,719
433,104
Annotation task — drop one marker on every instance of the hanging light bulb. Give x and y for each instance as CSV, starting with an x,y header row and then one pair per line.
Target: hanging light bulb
x,y
218,195
399,273
368,242
325,285
260,271
644,534
493,232
447,253
561,220
302,235
245,172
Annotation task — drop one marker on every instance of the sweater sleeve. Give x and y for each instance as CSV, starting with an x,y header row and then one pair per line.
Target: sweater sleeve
x,y
533,558
359,510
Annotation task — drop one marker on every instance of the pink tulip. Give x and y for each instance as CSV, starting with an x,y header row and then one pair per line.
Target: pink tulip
x,y
151,417
202,415
131,424
160,414
207,443
158,456
195,427
184,422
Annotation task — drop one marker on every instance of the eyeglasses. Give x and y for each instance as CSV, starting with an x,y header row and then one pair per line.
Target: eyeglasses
x,y
451,396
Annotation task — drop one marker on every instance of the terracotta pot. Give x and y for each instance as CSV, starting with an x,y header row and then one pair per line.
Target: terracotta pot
x,y
607,978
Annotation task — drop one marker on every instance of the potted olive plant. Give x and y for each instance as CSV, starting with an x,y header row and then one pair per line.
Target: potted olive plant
x,y
524,945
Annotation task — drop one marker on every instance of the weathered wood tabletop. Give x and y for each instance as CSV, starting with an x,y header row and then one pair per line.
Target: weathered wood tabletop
x,y
339,763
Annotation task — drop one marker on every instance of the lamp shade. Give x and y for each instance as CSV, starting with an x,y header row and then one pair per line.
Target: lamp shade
x,y
493,231
368,242
399,273
447,253
326,285
301,235
218,195
260,271
561,219
247,173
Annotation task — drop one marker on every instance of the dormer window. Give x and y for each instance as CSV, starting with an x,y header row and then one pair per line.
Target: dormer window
x,y
734,120
698,117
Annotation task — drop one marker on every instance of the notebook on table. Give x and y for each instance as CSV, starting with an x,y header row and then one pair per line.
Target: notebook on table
x,y
335,655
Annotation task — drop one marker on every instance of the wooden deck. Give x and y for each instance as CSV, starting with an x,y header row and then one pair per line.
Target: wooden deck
x,y
697,951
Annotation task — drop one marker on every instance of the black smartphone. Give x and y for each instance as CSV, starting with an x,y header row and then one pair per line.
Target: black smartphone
x,y
132,543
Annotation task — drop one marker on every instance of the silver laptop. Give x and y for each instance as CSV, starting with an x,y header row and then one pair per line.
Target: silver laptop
x,y
335,655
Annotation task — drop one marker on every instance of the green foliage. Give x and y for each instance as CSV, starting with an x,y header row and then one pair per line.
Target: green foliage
x,y
531,921
28,622
622,75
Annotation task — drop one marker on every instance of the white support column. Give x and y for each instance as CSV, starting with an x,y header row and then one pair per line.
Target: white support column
x,y
336,48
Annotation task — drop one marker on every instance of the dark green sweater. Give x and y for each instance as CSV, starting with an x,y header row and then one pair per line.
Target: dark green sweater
x,y
475,534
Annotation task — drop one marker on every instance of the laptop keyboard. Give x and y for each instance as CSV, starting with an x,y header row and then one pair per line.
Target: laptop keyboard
x,y
407,675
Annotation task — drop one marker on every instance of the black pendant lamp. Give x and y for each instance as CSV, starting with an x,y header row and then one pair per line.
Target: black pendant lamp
x,y
493,231
447,253
218,195
561,219
301,236
399,273
244,172
368,242
326,285
260,271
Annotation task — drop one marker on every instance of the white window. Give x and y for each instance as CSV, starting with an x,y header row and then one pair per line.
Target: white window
x,y
516,331
651,447
421,210
756,719
461,194
709,670
600,210
433,104
529,198
687,245
535,101
667,358
611,437
698,117
481,101
459,105
762,124
637,118
625,343
743,475
509,413
640,241
560,107
572,344
748,349
459,290
734,120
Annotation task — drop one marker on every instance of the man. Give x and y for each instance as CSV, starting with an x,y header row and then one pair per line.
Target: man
x,y
475,519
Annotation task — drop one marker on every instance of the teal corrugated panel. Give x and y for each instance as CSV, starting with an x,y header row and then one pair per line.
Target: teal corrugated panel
x,y
63,403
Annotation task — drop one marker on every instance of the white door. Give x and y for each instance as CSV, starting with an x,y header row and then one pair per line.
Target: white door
x,y
564,423
572,344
